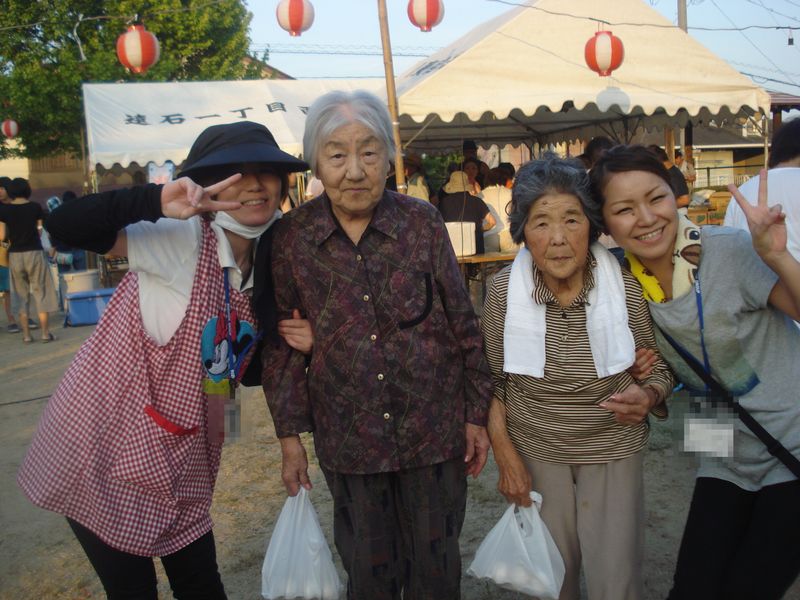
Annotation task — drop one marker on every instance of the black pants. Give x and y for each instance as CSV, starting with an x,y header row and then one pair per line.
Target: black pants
x,y
739,545
192,570
397,533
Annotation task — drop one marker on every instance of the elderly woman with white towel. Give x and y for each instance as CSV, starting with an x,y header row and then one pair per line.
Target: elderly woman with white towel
x,y
562,327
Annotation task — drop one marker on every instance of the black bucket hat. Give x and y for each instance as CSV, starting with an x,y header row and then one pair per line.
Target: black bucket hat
x,y
240,142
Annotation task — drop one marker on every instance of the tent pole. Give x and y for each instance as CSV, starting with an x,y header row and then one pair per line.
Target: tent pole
x,y
391,94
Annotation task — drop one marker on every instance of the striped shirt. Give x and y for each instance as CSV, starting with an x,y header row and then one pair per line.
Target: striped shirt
x,y
556,418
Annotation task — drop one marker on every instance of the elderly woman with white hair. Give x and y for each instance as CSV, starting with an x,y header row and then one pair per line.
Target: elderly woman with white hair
x,y
562,325
397,389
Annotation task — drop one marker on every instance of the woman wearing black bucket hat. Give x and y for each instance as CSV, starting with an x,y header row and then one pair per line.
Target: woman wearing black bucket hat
x,y
128,447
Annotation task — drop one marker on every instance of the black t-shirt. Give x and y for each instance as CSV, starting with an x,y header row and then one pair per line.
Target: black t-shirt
x,y
21,225
465,207
678,182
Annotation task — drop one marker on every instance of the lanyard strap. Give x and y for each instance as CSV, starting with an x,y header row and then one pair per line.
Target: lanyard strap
x,y
234,362
698,296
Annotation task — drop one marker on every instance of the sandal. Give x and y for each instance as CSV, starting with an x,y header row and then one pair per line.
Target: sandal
x,y
50,338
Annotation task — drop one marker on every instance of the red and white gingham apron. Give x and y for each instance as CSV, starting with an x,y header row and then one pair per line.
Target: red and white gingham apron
x,y
122,446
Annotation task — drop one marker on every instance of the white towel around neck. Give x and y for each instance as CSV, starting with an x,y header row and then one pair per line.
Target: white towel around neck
x,y
610,338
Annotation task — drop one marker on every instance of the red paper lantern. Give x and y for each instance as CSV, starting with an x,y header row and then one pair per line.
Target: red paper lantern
x,y
137,49
425,14
604,53
295,16
10,128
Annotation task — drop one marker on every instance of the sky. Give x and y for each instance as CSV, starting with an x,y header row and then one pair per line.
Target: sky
x,y
344,26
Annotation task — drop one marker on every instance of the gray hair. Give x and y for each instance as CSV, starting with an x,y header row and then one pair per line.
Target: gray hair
x,y
339,108
551,175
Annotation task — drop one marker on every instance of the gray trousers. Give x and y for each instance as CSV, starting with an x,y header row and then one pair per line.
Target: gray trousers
x,y
31,279
595,514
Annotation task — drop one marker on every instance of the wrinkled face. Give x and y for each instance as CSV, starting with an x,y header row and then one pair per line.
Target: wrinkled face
x,y
640,214
352,164
259,191
557,236
471,169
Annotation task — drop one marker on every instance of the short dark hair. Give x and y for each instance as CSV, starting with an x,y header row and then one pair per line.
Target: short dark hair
x,y
508,168
785,143
595,148
551,175
678,153
19,188
658,152
68,196
623,159
496,176
4,181
473,160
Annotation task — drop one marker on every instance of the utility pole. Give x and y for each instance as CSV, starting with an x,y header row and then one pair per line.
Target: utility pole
x,y
686,137
391,94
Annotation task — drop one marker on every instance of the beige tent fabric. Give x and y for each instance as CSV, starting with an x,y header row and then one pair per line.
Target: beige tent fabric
x,y
522,77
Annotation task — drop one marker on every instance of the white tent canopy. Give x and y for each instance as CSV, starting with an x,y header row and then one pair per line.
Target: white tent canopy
x,y
142,122
522,77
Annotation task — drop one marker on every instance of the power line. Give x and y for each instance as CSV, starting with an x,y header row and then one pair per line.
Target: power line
x,y
760,51
631,24
131,18
772,11
338,49
761,78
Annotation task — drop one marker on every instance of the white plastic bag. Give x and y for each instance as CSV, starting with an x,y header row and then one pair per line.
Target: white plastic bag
x,y
519,554
298,563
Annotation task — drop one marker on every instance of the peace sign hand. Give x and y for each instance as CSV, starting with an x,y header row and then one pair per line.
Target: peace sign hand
x,y
767,223
183,198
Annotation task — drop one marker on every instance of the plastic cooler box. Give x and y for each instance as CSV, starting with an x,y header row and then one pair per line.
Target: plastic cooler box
x,y
86,308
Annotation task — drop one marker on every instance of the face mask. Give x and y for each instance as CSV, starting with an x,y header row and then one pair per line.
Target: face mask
x,y
250,232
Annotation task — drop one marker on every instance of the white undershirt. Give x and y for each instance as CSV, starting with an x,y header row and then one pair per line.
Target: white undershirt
x,y
165,254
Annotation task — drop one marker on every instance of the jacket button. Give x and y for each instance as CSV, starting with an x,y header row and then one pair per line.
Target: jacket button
x,y
380,376
387,416
366,297
373,337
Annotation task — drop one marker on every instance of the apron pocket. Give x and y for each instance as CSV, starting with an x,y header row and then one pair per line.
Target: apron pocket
x,y
155,454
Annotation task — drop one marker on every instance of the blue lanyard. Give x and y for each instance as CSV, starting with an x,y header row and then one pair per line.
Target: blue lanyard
x,y
234,362
699,299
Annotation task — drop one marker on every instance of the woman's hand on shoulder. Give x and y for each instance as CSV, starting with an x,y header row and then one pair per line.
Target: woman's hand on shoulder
x,y
183,198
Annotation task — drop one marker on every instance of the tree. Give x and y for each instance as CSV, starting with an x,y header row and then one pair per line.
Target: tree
x,y
43,45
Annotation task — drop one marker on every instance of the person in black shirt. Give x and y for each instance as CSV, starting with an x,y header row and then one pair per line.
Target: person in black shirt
x,y
459,205
30,274
676,179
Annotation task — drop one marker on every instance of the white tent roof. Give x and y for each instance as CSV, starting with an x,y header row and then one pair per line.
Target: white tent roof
x,y
142,122
522,77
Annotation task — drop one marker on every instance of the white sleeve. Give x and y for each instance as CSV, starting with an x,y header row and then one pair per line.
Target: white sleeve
x,y
734,217
167,249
